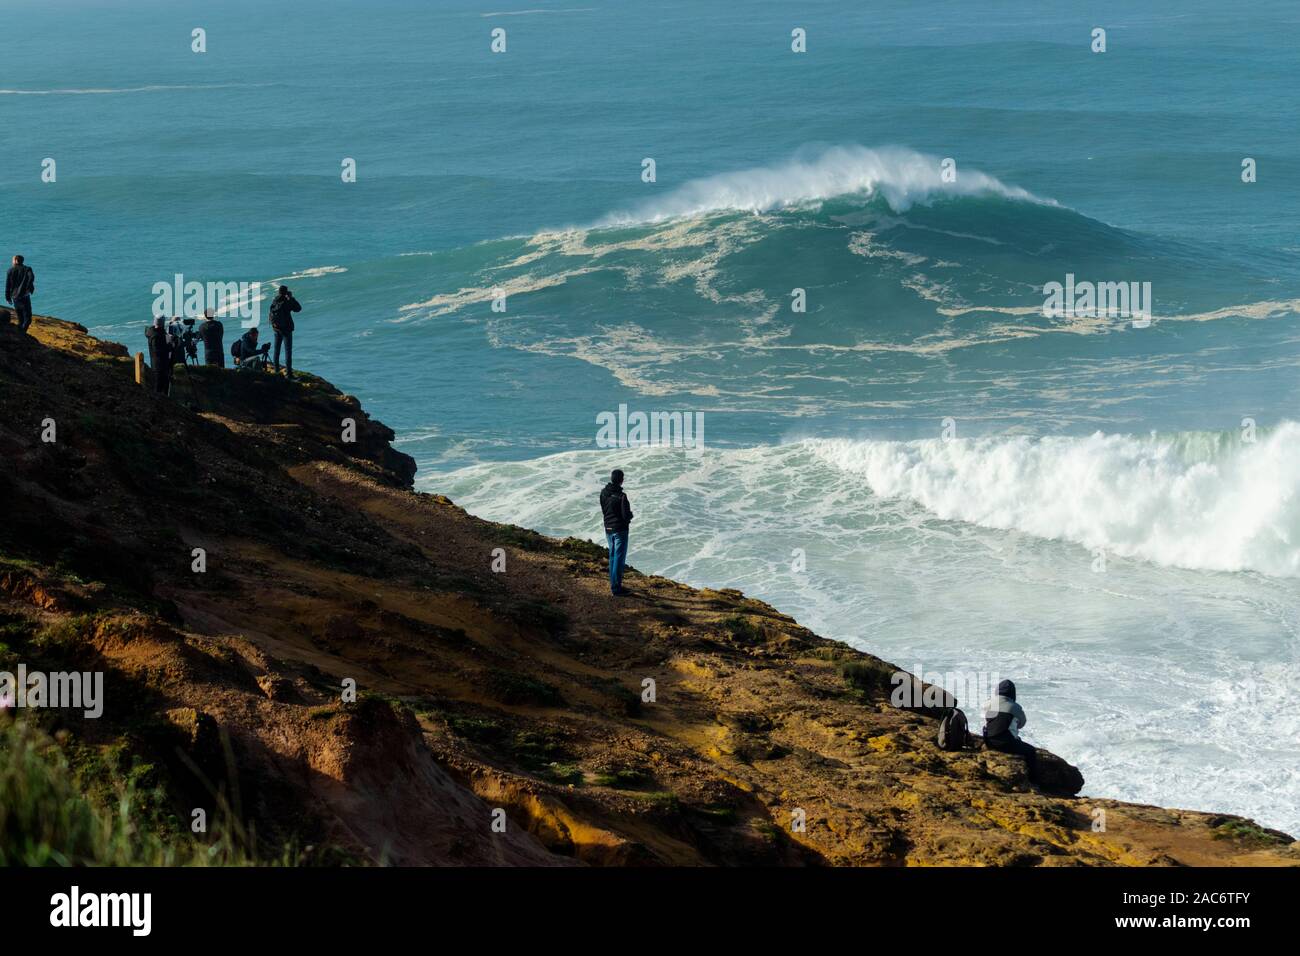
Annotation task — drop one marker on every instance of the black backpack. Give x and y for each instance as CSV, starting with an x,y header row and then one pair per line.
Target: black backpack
x,y
280,314
953,732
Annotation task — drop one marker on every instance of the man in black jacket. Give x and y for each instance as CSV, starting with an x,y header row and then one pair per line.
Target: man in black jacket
x,y
248,354
160,355
617,514
20,283
282,308
211,331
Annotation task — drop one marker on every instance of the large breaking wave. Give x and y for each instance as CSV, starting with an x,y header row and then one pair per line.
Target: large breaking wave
x,y
901,176
1198,500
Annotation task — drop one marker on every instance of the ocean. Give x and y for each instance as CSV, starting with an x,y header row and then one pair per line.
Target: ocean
x,y
839,267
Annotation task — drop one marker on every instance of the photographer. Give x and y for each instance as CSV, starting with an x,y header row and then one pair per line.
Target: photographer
x,y
212,332
248,354
282,308
180,333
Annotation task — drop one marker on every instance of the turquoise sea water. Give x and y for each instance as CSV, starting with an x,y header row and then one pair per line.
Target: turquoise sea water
x,y
1170,677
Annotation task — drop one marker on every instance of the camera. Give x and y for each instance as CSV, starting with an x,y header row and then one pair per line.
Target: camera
x,y
183,330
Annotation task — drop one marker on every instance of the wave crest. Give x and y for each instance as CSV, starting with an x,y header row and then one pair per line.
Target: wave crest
x,y
1200,500
901,176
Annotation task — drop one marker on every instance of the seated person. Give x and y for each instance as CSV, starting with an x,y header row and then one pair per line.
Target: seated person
x,y
247,353
1003,718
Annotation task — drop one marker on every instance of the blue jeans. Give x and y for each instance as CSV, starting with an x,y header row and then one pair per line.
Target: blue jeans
x,y
617,559
23,309
285,339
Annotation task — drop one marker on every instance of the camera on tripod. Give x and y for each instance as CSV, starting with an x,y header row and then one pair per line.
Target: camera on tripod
x,y
183,331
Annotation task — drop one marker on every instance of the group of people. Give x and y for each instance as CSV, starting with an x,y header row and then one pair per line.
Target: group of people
x,y
1003,717
169,343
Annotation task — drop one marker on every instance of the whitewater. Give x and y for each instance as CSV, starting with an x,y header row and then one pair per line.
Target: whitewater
x,y
1162,670
922,464
1209,501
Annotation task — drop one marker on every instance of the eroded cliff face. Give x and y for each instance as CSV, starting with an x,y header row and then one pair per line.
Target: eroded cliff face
x,y
521,691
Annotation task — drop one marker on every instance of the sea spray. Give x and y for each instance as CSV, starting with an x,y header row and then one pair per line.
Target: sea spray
x,y
1206,501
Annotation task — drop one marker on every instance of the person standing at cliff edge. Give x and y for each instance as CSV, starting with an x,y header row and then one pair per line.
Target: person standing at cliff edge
x,y
211,331
282,308
20,283
160,355
1003,718
617,514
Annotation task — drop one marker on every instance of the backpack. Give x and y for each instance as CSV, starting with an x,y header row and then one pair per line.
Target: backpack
x,y
953,732
280,314
235,348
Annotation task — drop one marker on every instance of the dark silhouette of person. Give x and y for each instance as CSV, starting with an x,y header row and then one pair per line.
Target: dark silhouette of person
x,y
617,514
1003,718
20,283
248,354
211,332
160,355
283,306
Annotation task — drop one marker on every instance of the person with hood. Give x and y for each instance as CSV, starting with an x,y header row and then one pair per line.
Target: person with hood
x,y
617,514
160,355
282,308
20,283
211,331
1003,718
248,354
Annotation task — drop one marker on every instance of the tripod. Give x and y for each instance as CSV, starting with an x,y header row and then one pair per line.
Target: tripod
x,y
193,402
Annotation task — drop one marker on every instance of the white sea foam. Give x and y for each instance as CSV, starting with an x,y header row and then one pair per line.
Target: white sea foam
x,y
315,272
1205,501
902,176
535,12
1164,685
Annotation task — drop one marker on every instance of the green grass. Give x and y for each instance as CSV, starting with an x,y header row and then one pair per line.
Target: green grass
x,y
48,819
834,653
483,730
510,688
662,800
1246,831
743,630
565,773
537,749
867,677
717,813
621,778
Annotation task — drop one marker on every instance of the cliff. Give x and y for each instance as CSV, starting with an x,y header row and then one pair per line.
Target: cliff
x,y
520,690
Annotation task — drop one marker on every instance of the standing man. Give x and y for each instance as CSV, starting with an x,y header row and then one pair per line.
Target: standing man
x,y
618,515
211,332
160,355
20,283
282,308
